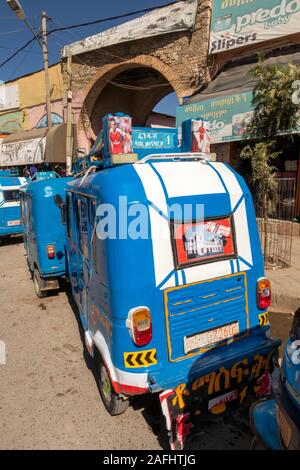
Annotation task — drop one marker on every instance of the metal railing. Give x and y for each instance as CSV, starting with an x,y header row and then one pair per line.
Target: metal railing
x,y
276,232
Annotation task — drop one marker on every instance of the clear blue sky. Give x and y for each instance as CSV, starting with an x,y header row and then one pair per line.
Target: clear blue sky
x,y
13,32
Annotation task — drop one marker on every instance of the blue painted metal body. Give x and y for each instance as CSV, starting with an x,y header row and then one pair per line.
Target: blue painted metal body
x,y
10,217
43,225
265,415
109,277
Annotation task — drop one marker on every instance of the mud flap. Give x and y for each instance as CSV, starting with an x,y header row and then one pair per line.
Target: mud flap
x,y
177,420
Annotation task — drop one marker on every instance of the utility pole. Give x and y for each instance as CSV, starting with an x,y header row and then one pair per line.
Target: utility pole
x,y
69,134
16,7
46,68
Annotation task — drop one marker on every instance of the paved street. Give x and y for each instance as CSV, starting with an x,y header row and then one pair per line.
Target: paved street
x,y
48,395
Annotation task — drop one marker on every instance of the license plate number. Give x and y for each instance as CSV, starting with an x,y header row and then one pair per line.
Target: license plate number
x,y
13,223
201,340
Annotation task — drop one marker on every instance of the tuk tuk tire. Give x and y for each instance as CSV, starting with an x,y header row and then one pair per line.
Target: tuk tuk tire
x,y
114,403
37,285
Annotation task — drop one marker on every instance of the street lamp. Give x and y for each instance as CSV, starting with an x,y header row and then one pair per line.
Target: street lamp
x,y
16,7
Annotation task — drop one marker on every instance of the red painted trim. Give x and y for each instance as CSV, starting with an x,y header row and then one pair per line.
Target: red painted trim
x,y
129,389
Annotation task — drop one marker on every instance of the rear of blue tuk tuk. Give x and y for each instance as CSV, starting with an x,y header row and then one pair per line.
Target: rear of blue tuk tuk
x,y
43,219
166,268
10,219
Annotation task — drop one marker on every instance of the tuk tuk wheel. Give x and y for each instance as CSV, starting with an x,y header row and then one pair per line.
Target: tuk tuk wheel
x,y
37,285
113,403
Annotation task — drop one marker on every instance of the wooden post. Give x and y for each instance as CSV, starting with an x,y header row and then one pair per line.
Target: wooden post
x,y
46,68
69,137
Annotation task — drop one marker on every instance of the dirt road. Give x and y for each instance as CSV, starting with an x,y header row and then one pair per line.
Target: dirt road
x,y
48,395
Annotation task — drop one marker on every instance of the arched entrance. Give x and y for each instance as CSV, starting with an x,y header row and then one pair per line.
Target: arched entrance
x,y
133,87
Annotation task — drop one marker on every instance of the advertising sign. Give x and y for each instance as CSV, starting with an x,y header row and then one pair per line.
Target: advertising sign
x,y
120,135
227,115
238,23
203,241
153,139
200,136
23,152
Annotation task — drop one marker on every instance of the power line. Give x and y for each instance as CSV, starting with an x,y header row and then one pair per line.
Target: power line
x,y
17,52
103,20
65,28
13,31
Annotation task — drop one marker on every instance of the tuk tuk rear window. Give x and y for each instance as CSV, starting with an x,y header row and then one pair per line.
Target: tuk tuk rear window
x,y
203,242
11,195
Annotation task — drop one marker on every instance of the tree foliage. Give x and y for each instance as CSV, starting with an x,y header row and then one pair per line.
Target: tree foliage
x,y
275,113
274,110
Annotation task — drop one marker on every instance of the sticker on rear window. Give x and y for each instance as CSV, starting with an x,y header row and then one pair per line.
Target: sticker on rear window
x,y
208,240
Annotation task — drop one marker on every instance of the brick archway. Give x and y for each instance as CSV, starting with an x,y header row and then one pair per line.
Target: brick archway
x,y
100,96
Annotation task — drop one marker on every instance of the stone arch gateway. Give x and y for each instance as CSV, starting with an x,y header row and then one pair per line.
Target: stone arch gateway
x,y
132,74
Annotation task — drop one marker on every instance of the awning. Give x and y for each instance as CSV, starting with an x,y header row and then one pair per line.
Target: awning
x,y
35,146
227,100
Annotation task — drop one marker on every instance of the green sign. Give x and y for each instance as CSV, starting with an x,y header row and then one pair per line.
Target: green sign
x,y
227,115
238,23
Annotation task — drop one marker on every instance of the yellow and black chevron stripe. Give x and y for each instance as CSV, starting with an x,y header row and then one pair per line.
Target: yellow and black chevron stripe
x,y
140,358
263,319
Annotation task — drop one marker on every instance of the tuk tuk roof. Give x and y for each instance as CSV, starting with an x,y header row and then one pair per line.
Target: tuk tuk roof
x,y
45,187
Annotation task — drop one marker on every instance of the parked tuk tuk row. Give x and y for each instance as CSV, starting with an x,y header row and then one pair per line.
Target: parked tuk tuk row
x,y
162,252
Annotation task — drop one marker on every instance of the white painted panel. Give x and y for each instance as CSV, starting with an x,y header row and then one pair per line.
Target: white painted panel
x,y
189,178
242,233
161,244
231,183
152,186
205,272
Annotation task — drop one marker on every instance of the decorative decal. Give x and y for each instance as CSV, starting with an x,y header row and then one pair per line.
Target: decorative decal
x,y
263,319
140,358
203,396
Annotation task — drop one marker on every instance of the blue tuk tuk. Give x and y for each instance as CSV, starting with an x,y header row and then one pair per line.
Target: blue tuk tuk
x,y
10,219
42,209
171,302
276,422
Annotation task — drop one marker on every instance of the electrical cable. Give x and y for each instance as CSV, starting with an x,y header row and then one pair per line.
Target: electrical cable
x,y
65,28
11,32
17,52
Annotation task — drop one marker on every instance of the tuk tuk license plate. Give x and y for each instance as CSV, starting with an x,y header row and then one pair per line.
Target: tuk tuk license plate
x,y
201,340
13,223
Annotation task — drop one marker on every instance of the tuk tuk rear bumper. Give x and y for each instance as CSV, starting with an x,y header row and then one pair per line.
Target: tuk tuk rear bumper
x,y
187,371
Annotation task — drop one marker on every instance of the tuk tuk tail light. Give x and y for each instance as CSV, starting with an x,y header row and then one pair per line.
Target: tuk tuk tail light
x,y
139,324
50,251
263,293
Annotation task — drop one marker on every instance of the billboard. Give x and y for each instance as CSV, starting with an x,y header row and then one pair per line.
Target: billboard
x,y
23,152
178,16
238,23
227,115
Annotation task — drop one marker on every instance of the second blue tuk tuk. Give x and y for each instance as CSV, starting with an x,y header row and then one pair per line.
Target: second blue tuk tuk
x,y
43,219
